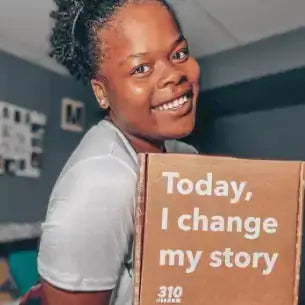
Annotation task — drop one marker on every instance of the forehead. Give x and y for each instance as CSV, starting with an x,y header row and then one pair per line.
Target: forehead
x,y
136,28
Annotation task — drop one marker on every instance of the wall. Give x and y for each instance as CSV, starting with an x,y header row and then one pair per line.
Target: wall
x,y
249,106
30,86
262,118
269,56
275,134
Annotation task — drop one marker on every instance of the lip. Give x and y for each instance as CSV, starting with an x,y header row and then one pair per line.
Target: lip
x,y
185,109
188,92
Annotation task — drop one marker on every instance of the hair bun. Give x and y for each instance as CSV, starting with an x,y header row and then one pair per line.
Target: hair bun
x,y
65,46
73,39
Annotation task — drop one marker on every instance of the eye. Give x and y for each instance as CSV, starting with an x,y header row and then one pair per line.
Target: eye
x,y
181,55
141,69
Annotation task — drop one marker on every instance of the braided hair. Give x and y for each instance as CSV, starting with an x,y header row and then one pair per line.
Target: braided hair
x,y
74,40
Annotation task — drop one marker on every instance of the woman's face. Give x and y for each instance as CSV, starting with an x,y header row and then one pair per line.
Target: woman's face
x,y
147,74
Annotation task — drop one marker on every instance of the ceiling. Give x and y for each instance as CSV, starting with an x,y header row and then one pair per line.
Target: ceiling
x,y
211,26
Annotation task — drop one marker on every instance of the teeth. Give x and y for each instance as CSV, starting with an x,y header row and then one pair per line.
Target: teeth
x,y
174,104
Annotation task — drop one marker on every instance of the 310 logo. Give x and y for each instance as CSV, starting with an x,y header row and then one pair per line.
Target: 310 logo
x,y
169,294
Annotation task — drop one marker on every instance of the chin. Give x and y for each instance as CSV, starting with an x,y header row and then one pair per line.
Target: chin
x,y
179,131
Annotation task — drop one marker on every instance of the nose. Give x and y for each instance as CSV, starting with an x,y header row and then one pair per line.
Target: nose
x,y
171,76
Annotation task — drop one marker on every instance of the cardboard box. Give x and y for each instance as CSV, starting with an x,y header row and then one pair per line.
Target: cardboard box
x,y
218,231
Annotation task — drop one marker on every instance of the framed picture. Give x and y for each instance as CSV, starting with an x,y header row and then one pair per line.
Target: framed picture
x,y
21,140
72,115
32,164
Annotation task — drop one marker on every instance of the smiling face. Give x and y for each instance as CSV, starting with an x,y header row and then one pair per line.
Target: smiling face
x,y
147,74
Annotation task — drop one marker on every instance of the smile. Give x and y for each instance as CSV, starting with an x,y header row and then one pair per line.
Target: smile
x,y
175,104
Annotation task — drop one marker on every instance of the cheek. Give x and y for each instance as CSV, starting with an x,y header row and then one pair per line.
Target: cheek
x,y
137,93
193,71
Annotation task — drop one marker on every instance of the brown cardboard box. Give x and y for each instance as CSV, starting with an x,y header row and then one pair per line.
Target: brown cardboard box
x,y
218,231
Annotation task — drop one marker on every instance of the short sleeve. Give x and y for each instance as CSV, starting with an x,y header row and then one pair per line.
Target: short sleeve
x,y
89,225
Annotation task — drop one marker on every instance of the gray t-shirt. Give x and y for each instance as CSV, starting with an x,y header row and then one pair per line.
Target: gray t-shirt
x,y
87,237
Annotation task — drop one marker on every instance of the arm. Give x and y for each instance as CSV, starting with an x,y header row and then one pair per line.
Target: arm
x,y
86,236
55,296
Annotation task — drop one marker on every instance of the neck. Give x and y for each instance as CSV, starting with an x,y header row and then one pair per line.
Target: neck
x,y
141,145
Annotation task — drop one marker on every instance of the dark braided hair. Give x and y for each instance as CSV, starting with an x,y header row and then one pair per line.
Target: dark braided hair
x,y
74,36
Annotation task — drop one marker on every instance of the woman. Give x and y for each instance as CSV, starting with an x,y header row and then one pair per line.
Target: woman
x,y
137,60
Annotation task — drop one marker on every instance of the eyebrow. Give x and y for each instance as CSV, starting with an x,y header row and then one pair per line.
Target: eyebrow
x,y
179,39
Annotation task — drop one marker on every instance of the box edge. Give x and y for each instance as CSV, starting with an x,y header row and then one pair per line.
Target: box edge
x,y
299,236
139,226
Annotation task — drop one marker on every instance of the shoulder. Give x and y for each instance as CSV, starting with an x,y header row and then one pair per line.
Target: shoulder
x,y
175,146
103,139
92,183
99,175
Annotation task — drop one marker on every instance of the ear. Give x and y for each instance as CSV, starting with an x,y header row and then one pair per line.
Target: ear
x,y
99,90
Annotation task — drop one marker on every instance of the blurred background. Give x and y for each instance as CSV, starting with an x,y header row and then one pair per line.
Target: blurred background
x,y
251,104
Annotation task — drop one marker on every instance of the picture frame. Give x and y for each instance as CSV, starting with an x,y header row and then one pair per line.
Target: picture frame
x,y
72,115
